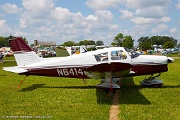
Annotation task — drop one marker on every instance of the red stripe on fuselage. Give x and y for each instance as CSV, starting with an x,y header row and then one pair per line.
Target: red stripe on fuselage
x,y
73,72
145,69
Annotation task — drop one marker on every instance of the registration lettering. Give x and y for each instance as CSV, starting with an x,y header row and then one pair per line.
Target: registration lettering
x,y
69,71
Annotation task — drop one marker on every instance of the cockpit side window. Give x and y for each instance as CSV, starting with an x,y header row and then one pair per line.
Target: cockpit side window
x,y
118,55
102,57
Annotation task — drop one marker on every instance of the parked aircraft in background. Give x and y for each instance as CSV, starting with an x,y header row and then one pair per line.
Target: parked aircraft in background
x,y
108,65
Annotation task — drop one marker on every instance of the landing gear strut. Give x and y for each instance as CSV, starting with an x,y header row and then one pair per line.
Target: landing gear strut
x,y
19,85
152,81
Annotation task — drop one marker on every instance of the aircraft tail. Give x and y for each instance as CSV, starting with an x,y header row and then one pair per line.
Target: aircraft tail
x,y
23,54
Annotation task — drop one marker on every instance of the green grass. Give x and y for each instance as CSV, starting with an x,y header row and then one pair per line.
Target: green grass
x,y
173,55
66,99
59,98
61,52
9,57
139,103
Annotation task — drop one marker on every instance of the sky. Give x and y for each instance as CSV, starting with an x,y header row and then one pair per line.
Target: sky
x,y
76,20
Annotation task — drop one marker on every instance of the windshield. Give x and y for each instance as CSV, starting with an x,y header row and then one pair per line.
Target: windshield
x,y
132,53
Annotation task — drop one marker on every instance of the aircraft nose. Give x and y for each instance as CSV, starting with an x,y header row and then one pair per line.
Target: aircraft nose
x,y
170,60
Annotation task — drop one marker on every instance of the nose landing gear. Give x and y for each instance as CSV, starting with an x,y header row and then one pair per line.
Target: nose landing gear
x,y
152,81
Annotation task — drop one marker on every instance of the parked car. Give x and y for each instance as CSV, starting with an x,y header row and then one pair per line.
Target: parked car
x,y
8,53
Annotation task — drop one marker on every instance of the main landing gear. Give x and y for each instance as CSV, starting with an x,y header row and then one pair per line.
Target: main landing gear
x,y
109,82
109,85
152,81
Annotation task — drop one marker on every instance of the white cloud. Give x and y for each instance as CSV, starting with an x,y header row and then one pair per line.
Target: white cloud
x,y
11,8
62,15
104,15
148,12
173,30
114,27
152,12
92,17
35,5
22,23
38,8
101,4
178,4
51,20
141,4
36,13
126,14
143,20
165,19
3,25
160,28
19,33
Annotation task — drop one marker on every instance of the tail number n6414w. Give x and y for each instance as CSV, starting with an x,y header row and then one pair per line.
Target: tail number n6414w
x,y
70,71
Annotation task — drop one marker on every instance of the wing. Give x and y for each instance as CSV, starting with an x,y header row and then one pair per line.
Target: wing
x,y
116,69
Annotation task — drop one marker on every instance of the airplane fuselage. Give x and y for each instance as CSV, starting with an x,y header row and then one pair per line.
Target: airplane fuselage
x,y
107,64
80,66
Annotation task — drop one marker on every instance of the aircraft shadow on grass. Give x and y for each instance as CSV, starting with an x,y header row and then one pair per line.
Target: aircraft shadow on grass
x,y
129,92
36,86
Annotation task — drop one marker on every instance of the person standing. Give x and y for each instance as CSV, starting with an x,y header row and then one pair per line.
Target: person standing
x,y
1,57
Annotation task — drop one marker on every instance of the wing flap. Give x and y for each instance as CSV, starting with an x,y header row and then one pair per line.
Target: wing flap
x,y
15,69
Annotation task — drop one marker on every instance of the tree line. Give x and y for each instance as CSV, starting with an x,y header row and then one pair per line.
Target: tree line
x,y
5,43
83,42
119,40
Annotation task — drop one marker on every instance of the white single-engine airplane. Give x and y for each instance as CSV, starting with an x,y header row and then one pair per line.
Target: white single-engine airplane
x,y
108,64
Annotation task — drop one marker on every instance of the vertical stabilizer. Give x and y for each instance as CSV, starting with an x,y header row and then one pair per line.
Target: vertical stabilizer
x,y
23,54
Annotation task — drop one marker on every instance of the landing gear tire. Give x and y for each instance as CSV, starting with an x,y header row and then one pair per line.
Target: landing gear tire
x,y
152,81
157,86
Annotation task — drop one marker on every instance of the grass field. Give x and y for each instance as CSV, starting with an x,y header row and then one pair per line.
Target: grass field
x,y
66,99
140,103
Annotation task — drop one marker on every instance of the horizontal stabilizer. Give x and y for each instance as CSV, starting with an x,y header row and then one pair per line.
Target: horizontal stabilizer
x,y
15,69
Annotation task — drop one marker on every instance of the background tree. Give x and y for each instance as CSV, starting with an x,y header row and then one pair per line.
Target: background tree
x,y
99,43
143,39
87,42
179,45
2,41
168,44
145,46
113,44
128,42
157,40
69,43
118,39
